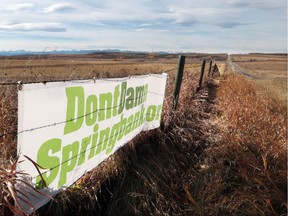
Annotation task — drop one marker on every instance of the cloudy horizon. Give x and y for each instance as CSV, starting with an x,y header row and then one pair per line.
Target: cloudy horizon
x,y
229,26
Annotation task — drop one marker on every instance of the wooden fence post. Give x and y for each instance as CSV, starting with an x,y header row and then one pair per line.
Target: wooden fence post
x,y
201,75
178,80
210,67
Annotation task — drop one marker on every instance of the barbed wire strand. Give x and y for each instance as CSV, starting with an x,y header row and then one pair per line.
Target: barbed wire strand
x,y
94,147
83,116
76,80
79,81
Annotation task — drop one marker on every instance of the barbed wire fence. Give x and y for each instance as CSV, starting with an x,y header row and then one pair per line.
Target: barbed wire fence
x,y
35,72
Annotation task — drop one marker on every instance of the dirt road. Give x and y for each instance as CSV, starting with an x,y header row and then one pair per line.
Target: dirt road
x,y
237,69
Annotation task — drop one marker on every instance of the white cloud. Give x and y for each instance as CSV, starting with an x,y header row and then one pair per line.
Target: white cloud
x,y
193,15
47,27
145,25
18,7
57,7
262,4
231,25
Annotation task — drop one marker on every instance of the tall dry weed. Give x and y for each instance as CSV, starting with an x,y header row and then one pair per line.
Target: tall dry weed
x,y
8,124
252,160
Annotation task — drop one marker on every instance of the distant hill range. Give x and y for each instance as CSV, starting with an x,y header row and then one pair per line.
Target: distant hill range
x,y
284,54
65,52
79,52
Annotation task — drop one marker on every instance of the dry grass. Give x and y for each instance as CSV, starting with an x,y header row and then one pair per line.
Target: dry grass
x,y
226,160
8,124
152,174
251,160
210,157
263,66
271,71
51,67
276,90
259,57
57,69
267,69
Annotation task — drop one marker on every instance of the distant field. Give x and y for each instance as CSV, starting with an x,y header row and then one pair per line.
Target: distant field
x,y
53,67
268,66
259,57
271,71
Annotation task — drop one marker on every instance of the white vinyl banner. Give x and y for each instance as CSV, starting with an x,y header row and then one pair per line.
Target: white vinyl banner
x,y
68,128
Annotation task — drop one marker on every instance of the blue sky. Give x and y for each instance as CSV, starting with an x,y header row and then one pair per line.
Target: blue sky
x,y
232,26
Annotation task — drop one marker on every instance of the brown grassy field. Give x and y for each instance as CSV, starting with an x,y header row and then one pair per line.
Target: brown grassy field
x,y
271,71
212,156
67,67
264,66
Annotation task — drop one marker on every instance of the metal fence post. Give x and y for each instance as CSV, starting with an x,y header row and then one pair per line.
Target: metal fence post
x,y
178,80
201,75
210,67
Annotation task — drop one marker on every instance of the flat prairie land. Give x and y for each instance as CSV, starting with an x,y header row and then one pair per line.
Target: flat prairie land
x,y
258,57
61,67
99,65
264,66
270,72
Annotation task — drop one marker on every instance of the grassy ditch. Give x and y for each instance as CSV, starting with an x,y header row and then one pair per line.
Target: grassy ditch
x,y
153,174
223,152
250,169
206,159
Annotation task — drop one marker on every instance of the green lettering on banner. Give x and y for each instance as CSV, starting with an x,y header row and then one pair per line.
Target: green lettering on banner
x,y
136,120
105,108
151,113
115,101
51,146
142,116
122,97
139,95
60,159
122,127
130,98
129,124
94,142
69,159
91,110
84,144
75,109
159,112
113,137
104,138
145,93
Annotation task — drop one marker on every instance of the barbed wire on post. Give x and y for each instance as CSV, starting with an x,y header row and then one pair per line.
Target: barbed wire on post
x,y
10,129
